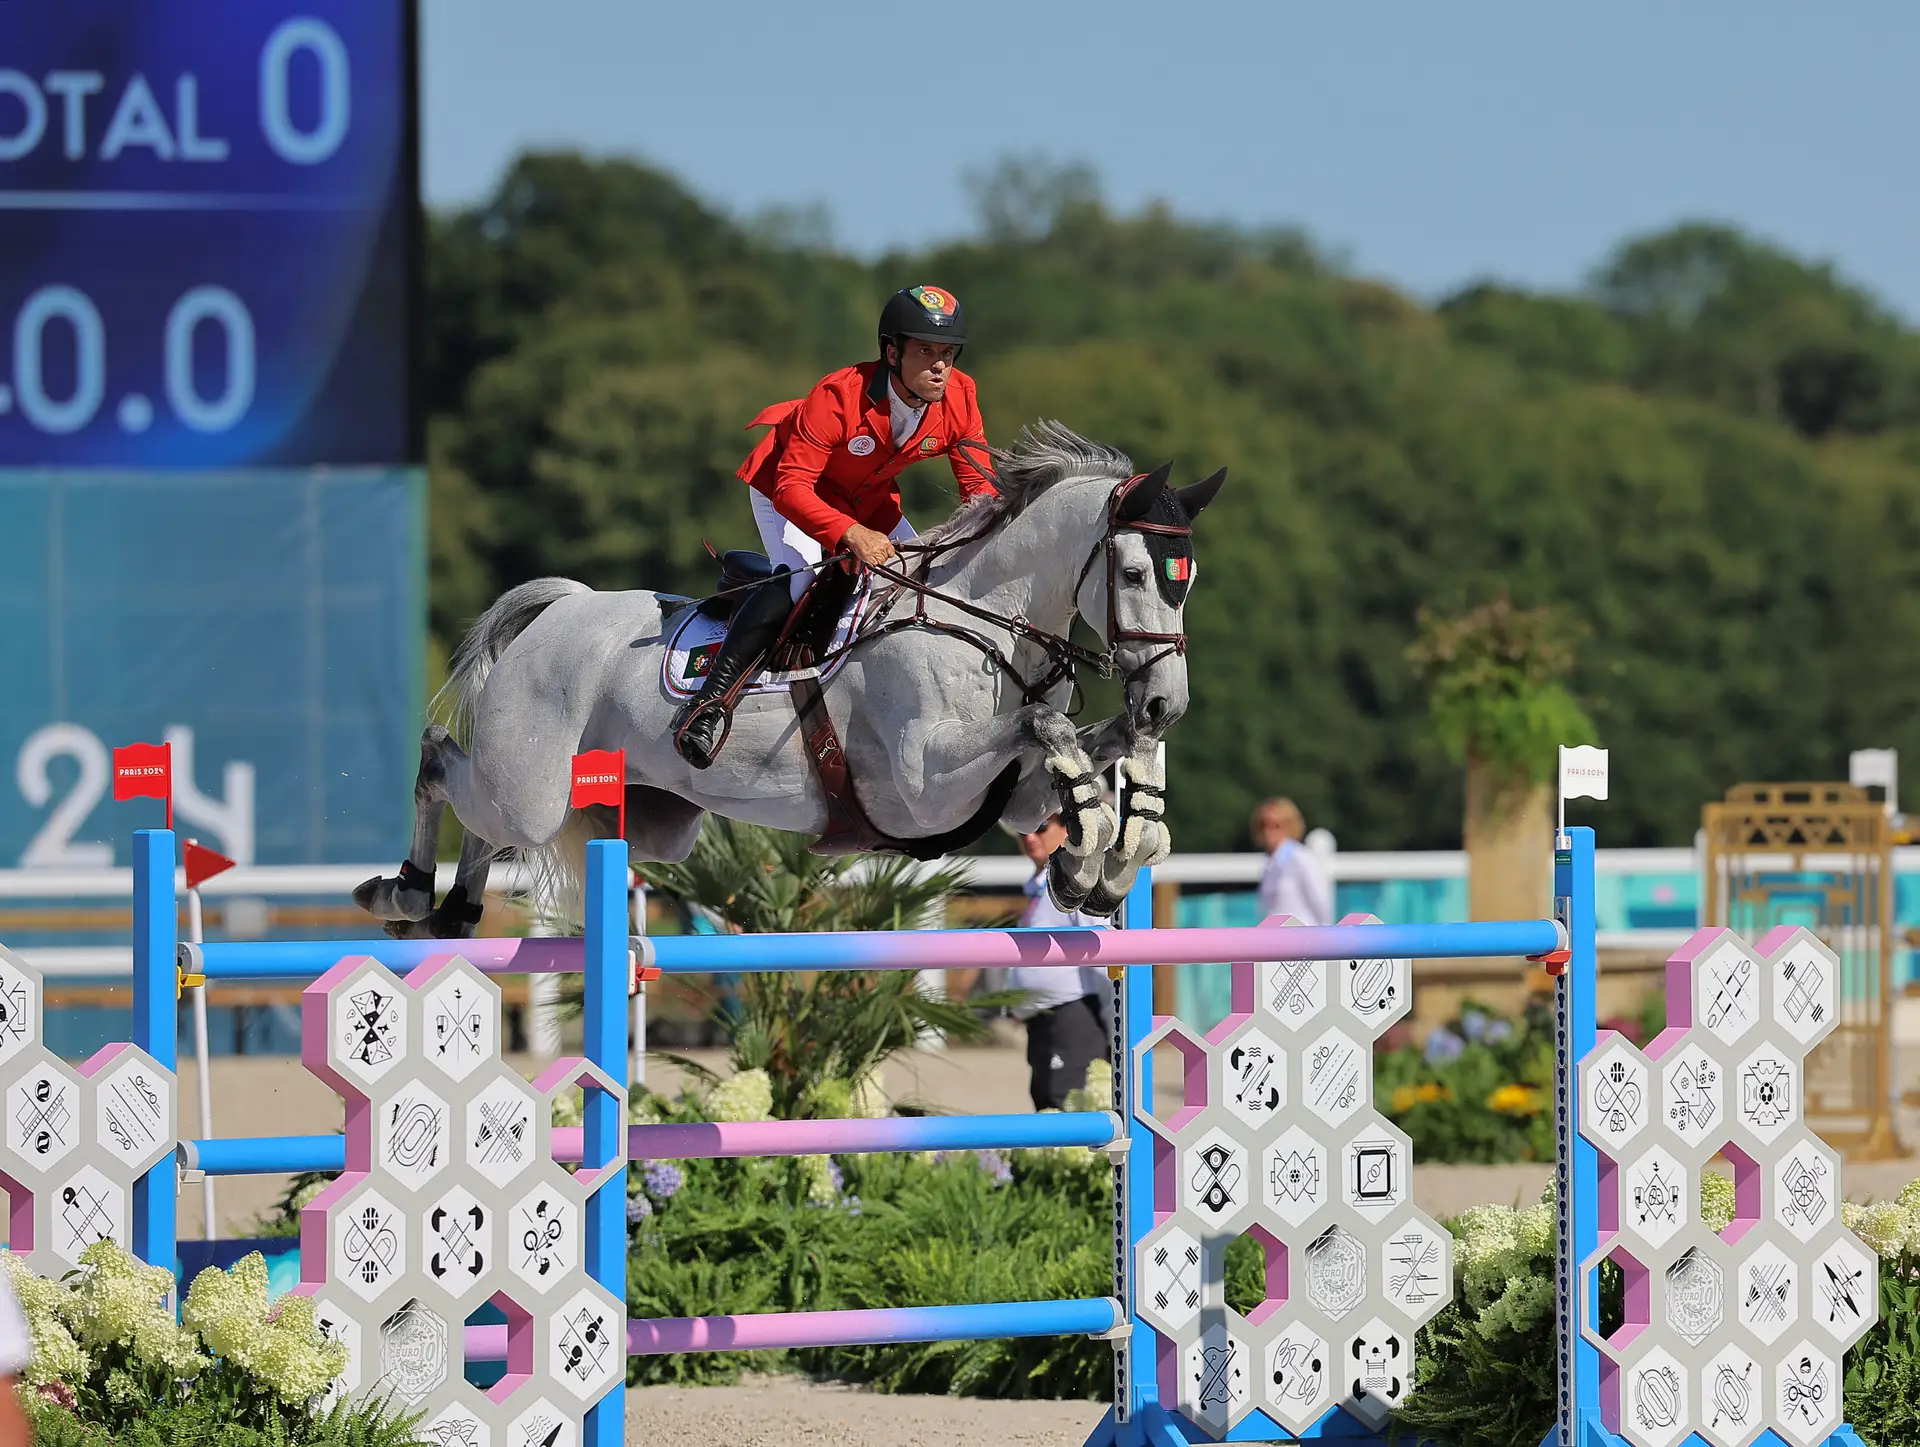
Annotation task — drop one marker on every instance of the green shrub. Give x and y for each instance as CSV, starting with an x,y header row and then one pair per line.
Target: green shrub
x,y
193,1422
1481,1090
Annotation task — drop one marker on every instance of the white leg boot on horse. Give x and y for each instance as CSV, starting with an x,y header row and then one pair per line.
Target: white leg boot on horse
x,y
949,697
1144,840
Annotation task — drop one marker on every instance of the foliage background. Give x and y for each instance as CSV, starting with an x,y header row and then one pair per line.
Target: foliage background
x,y
1709,457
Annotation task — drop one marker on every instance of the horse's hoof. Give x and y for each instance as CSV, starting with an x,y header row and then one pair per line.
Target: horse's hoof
x,y
1102,905
1067,893
441,926
385,899
408,929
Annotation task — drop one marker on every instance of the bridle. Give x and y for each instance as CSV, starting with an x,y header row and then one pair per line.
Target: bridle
x,y
1116,523
1063,654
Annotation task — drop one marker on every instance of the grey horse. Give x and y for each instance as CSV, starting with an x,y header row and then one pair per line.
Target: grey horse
x,y
935,731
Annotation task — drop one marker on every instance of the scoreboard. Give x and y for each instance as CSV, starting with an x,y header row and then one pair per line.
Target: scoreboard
x,y
212,504
207,232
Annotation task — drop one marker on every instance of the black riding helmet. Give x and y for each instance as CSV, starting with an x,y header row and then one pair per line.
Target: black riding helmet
x,y
924,313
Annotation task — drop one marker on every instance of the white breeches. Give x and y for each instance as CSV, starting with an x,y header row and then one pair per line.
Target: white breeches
x,y
789,547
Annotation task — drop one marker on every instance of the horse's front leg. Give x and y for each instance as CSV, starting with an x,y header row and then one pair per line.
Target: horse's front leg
x,y
1036,800
961,758
1144,840
1073,871
1107,741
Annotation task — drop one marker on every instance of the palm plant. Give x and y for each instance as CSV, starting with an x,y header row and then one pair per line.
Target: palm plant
x,y
815,1034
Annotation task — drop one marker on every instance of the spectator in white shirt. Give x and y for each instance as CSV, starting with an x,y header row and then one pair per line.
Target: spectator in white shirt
x,y
16,1353
1068,1009
1294,882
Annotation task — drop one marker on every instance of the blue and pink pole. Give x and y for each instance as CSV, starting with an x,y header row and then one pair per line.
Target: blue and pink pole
x,y
904,949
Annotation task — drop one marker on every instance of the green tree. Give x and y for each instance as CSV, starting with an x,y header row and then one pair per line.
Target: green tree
x,y
1711,455
1494,678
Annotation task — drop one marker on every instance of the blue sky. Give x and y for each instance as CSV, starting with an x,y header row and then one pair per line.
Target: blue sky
x,y
1429,144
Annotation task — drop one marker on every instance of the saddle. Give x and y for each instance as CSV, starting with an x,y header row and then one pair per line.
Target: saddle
x,y
809,631
805,641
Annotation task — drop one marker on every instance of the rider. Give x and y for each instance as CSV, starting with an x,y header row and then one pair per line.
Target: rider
x,y
824,480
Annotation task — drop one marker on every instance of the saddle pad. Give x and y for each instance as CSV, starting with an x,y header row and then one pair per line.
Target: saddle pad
x,y
695,640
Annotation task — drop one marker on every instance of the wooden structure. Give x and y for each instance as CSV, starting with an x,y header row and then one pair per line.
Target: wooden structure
x,y
1820,855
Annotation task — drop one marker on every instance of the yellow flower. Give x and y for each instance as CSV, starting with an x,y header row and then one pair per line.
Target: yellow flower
x,y
1517,1099
1406,1097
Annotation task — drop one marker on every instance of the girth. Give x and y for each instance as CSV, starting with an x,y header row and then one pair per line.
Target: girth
x,y
849,828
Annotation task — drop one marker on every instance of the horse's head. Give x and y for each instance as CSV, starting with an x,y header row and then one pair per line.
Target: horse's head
x,y
1134,591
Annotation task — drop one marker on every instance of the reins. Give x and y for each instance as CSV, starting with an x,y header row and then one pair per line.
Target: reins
x,y
1063,654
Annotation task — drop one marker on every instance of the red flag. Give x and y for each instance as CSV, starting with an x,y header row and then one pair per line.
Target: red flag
x,y
144,771
203,864
600,777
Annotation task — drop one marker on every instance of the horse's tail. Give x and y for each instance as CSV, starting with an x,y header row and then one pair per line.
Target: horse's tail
x,y
505,621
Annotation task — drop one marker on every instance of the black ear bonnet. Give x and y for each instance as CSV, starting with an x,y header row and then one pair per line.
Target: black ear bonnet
x,y
1172,553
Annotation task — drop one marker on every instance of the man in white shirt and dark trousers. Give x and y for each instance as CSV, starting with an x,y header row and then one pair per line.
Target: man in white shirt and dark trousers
x,y
1294,882
1068,1011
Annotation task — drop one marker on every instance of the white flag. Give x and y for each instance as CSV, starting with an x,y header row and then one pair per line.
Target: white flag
x,y
1583,772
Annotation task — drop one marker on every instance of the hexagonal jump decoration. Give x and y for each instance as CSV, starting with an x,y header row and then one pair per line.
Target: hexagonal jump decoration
x,y
1751,1322
1277,1138
452,1198
76,1139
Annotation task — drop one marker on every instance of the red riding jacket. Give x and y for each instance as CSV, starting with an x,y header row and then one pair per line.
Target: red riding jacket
x,y
830,462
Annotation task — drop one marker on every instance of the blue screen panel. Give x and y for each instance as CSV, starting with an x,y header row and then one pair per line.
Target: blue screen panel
x,y
268,622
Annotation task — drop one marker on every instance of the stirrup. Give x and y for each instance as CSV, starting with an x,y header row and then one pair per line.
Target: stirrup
x,y
694,710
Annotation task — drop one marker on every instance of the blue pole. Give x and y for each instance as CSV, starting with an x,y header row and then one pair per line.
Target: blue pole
x,y
606,1024
1577,1173
155,1026
269,1155
1136,1358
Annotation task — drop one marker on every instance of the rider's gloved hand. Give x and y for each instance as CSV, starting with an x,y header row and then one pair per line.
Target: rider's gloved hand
x,y
869,547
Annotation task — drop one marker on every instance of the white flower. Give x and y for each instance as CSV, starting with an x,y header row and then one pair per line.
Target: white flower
x,y
1717,1201
279,1347
1889,1228
57,1354
121,1300
819,1172
747,1096
569,1108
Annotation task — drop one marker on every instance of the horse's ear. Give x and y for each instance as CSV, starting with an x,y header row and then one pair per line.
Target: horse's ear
x,y
1199,494
1145,493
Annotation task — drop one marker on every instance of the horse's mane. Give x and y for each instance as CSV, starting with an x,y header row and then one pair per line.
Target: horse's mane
x,y
1046,453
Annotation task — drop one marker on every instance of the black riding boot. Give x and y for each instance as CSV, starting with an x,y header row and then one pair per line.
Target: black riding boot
x,y
704,723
